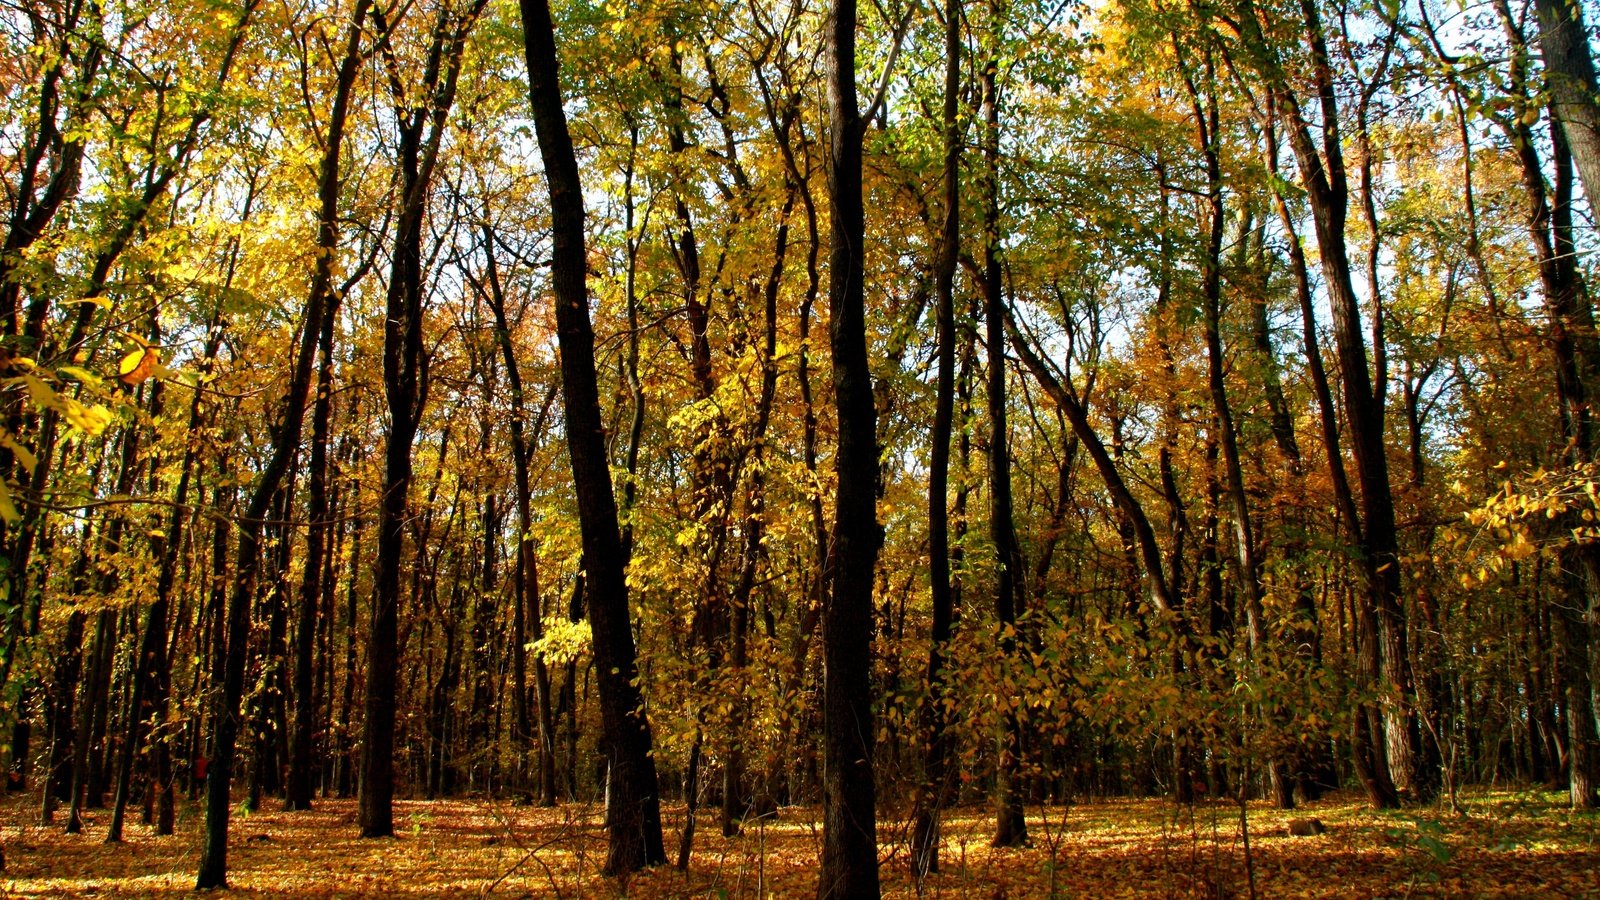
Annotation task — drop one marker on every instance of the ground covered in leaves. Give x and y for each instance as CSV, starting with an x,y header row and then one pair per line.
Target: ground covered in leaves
x,y
1503,844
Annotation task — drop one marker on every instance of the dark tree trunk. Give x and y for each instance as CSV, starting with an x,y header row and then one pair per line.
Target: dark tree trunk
x,y
849,831
232,645
152,675
421,118
345,782
267,705
528,615
736,796
1011,828
633,815
1144,544
1381,632
935,790
63,721
1246,558
324,296
90,708
1574,348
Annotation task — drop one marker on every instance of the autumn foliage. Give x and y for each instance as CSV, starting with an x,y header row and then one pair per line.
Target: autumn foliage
x,y
1070,436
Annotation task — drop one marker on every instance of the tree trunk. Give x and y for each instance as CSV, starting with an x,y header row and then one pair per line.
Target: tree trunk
x,y
93,697
528,616
63,721
1324,177
301,762
152,674
1011,829
849,831
935,789
1576,355
1570,74
421,118
633,815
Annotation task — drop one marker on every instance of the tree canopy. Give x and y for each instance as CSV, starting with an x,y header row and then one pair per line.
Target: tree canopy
x,y
748,404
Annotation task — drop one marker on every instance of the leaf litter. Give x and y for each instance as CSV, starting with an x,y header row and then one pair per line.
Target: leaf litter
x,y
1505,844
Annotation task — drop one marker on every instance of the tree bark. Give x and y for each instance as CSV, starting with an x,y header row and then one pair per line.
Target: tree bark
x,y
1323,174
1011,828
1570,74
528,602
633,814
849,831
935,789
421,132
325,297
152,674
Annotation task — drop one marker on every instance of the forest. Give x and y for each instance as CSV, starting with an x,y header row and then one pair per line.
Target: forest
x,y
925,427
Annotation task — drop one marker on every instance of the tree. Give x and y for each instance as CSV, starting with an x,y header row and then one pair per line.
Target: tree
x,y
633,816
422,115
849,836
935,790
1569,69
325,297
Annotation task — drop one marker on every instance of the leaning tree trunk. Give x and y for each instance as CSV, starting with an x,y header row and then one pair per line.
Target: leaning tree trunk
x,y
633,813
299,788
231,650
1323,174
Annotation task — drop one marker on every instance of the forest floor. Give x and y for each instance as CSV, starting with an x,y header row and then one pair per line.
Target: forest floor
x,y
1501,844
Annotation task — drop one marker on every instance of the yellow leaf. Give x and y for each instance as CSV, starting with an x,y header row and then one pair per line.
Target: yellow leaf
x,y
138,366
8,510
80,373
42,394
89,419
23,454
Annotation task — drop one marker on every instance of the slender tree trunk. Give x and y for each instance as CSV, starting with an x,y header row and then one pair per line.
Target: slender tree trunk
x,y
1011,829
636,400
232,645
152,669
63,721
301,762
528,614
633,815
422,117
345,783
1374,530
935,789
1247,561
737,798
1148,550
849,832
93,697
1576,355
